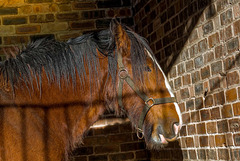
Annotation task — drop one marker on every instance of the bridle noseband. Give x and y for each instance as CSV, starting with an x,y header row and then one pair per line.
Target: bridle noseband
x,y
149,101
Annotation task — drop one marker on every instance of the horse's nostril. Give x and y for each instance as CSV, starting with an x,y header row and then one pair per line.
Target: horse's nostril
x,y
176,128
159,129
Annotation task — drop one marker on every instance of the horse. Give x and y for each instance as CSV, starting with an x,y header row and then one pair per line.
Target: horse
x,y
51,92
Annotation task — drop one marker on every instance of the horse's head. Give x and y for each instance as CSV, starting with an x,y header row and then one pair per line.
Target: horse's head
x,y
144,92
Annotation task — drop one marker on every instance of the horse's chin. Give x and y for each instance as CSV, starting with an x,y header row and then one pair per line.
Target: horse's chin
x,y
155,144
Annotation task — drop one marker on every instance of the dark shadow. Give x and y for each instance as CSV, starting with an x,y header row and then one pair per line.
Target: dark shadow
x,y
177,27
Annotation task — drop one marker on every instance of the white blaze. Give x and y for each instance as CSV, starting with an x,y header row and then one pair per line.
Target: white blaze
x,y
168,87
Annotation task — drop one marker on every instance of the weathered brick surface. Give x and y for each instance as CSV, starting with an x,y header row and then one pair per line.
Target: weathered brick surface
x,y
196,43
211,96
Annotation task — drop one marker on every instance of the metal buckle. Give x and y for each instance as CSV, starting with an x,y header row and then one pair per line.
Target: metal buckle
x,y
140,134
148,101
123,73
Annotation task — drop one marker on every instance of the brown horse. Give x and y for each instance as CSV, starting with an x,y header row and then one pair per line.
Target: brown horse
x,y
52,92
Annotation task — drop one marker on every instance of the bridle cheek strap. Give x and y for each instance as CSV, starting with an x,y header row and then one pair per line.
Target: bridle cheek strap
x,y
149,102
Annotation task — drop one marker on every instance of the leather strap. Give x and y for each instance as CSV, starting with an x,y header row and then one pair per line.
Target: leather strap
x,y
149,102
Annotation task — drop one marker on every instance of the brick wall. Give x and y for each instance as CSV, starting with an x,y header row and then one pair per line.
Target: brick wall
x,y
21,20
197,44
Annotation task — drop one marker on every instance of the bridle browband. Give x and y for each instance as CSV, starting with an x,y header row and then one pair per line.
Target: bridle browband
x,y
149,101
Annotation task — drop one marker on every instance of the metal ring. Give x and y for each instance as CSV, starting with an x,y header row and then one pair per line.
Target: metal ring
x,y
123,73
140,134
150,99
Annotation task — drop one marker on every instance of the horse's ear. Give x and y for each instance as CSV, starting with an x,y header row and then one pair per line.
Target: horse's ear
x,y
122,40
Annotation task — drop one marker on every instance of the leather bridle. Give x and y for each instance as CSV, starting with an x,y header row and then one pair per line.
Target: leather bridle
x,y
149,101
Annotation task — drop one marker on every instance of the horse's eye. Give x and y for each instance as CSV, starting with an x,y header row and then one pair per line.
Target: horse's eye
x,y
148,69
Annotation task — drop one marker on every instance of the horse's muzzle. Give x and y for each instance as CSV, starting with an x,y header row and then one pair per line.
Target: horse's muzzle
x,y
162,138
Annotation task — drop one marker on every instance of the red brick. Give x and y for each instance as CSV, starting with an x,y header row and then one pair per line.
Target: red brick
x,y
192,154
232,45
84,5
234,125
201,154
98,157
235,154
211,154
227,111
203,141
219,98
100,140
211,141
198,61
67,16
216,67
236,109
41,18
186,79
121,156
92,14
213,40
222,126
236,138
232,78
193,51
228,33
184,93
143,154
236,27
118,138
221,5
186,118
231,95
208,27
132,146
198,103
198,88
28,29
190,105
195,77
181,69
209,101
14,20
189,65
220,140
15,40
214,83
229,63
211,127
201,129
229,139
189,142
205,115
215,113
226,17
205,72
202,45
195,116
208,57
191,129
82,25
177,83
223,154
219,51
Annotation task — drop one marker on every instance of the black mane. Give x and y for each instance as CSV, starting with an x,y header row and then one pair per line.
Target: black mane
x,y
66,59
